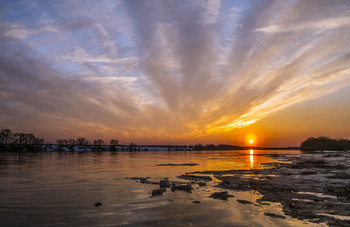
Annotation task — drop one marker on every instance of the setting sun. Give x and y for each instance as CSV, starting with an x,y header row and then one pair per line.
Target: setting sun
x,y
251,139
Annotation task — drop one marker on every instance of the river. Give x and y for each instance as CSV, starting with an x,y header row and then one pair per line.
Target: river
x,y
60,189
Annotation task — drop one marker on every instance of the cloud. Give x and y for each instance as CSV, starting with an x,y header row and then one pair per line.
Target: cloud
x,y
18,33
97,59
320,25
80,55
166,70
256,70
23,33
108,79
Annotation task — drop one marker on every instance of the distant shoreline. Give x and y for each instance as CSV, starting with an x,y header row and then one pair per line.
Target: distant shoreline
x,y
72,148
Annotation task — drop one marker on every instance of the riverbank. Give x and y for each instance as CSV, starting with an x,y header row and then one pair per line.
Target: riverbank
x,y
313,187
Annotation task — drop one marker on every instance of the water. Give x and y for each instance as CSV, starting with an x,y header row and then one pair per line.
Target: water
x,y
60,189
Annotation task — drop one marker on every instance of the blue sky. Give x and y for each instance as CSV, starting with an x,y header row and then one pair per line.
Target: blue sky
x,y
172,71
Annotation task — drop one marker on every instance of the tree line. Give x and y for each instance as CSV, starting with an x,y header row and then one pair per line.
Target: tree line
x,y
83,142
325,144
10,141
7,137
212,147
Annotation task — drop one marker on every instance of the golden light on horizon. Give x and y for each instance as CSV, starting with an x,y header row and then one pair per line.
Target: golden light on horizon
x,y
251,141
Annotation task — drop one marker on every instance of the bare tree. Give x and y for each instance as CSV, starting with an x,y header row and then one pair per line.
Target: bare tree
x,y
82,141
114,142
22,139
39,141
60,141
98,142
71,141
29,139
26,139
19,138
6,136
132,146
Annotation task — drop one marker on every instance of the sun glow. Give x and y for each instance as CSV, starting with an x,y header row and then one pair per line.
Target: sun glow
x,y
250,139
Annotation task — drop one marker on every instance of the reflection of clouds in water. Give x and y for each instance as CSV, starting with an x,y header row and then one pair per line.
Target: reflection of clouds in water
x,y
168,69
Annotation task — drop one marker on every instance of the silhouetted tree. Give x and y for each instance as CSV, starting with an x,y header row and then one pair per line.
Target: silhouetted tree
x,y
39,141
98,142
19,138
325,143
60,142
72,142
82,141
132,146
26,139
198,147
114,142
6,136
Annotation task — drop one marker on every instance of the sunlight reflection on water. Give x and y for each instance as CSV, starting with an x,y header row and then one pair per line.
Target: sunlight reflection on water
x,y
251,159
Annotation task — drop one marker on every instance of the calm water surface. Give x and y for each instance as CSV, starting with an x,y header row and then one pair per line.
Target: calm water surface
x,y
60,189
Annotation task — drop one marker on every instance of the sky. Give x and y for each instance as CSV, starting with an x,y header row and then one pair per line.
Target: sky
x,y
176,72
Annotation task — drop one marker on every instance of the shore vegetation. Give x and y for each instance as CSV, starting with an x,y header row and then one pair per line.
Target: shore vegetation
x,y
324,143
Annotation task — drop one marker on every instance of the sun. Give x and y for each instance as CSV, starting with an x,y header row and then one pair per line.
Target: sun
x,y
251,139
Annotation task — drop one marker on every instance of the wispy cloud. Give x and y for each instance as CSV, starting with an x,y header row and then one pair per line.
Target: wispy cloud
x,y
80,55
97,59
167,70
24,33
317,26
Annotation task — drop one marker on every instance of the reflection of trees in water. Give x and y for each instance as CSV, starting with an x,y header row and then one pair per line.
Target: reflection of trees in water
x,y
18,159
